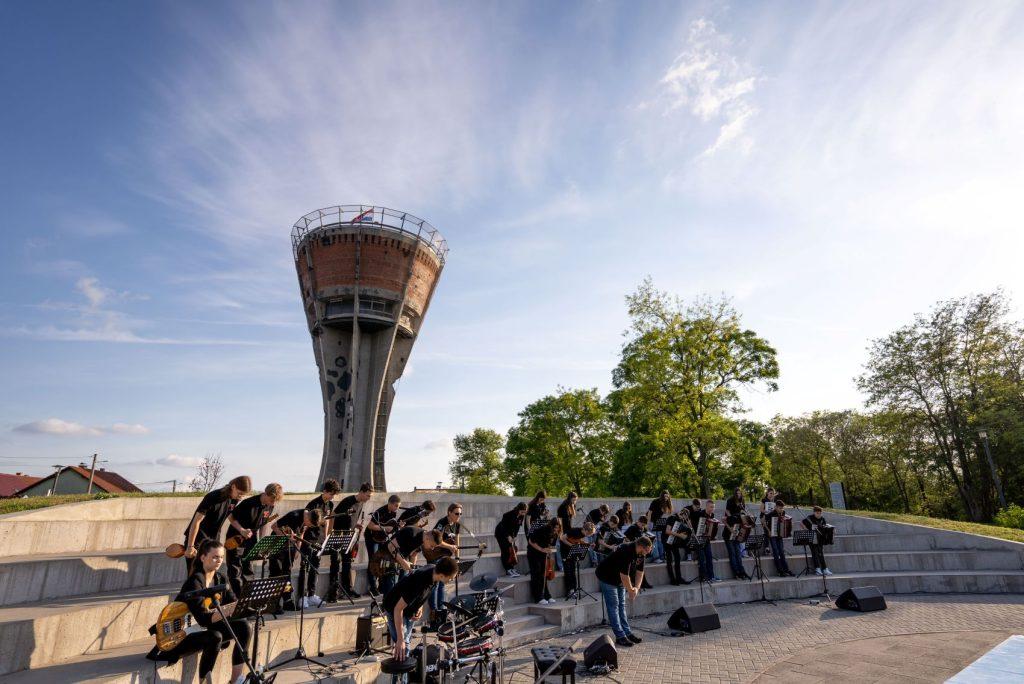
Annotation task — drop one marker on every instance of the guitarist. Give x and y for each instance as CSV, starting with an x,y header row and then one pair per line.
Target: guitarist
x,y
215,635
382,523
324,504
249,517
417,515
294,525
210,515
450,528
344,514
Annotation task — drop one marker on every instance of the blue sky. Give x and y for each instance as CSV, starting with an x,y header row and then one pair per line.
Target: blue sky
x,y
833,167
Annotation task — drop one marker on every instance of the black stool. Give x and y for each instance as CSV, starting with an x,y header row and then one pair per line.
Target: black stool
x,y
398,667
545,656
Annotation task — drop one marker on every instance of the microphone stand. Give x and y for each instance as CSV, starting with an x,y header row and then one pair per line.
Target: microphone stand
x,y
300,652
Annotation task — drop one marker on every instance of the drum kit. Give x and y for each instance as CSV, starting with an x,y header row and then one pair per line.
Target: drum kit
x,y
471,636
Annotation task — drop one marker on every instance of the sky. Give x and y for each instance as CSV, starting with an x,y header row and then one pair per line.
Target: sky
x,y
834,168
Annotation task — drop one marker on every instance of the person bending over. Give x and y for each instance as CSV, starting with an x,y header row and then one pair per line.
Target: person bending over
x,y
212,511
403,603
620,575
506,532
250,515
574,536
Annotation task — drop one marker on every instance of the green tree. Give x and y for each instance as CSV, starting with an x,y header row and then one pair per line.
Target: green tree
x,y
679,378
563,441
478,466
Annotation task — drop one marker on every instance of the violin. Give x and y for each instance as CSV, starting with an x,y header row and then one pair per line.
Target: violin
x,y
549,567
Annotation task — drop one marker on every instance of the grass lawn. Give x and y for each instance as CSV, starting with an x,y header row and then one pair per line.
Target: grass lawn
x,y
34,502
942,524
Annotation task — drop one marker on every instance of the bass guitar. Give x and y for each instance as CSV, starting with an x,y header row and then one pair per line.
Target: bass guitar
x,y
175,622
439,552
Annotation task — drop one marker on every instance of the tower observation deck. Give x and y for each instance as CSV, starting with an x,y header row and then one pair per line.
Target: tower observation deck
x,y
366,275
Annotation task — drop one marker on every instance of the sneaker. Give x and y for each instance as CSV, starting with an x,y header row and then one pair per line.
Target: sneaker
x,y
828,572
624,642
817,571
634,638
512,573
542,602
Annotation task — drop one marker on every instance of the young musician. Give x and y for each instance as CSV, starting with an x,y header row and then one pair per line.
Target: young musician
x,y
450,528
405,548
566,512
705,561
215,633
655,512
622,573
769,497
210,515
675,544
814,522
344,519
506,532
637,529
377,523
250,515
539,546
597,516
417,515
733,523
314,536
537,509
736,504
571,537
778,544
625,514
609,536
294,525
695,511
404,602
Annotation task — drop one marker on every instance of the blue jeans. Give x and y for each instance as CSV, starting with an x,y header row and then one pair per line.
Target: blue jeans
x,y
592,539
615,604
407,633
437,596
735,559
659,551
778,545
706,562
558,557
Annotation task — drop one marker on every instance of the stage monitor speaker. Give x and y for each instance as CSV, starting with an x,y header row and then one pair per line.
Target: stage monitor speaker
x,y
371,632
862,599
601,652
700,617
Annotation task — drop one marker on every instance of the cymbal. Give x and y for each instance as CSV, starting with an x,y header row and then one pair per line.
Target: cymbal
x,y
484,582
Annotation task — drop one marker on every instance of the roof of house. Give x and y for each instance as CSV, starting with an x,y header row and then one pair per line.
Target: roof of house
x,y
105,480
9,484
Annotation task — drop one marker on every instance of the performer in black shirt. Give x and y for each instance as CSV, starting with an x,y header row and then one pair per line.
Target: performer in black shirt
x,y
637,529
210,515
571,537
675,545
506,532
622,573
814,522
324,504
294,525
537,509
539,545
566,511
450,528
609,536
736,504
251,515
404,602
733,522
625,514
376,526
778,544
343,518
215,633
418,514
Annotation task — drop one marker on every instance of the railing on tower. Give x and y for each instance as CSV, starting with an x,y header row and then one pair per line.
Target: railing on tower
x,y
368,215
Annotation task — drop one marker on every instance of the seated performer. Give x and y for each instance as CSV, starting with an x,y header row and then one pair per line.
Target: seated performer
x,y
540,545
637,529
778,544
625,514
675,544
378,526
344,513
574,536
619,574
733,523
250,515
705,561
215,634
506,532
403,603
210,515
813,522
609,536
597,516
293,525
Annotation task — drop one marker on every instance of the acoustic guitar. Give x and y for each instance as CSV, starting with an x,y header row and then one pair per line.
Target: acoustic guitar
x,y
439,552
175,623
235,541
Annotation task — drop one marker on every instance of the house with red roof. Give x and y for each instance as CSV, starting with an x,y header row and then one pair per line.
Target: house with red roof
x,y
75,480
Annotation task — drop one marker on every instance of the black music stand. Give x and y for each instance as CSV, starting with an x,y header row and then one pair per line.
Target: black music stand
x,y
464,567
804,538
755,543
340,541
264,548
259,596
576,553
300,652
824,578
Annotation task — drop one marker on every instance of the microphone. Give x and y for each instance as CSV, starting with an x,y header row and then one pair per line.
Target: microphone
x,y
204,593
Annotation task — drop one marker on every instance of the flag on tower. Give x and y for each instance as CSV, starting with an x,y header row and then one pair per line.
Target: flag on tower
x,y
365,217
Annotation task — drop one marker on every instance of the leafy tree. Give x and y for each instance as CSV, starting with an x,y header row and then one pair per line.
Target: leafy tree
x,y
679,378
563,441
478,466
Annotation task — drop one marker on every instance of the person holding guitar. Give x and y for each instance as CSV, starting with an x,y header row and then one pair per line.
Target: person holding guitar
x,y
342,519
382,523
574,536
540,546
450,527
215,633
506,532
417,515
249,516
210,515
293,525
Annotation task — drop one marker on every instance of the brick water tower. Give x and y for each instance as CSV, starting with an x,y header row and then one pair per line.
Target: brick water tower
x,y
366,275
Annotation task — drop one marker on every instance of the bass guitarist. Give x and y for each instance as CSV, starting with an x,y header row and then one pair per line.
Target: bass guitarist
x,y
381,525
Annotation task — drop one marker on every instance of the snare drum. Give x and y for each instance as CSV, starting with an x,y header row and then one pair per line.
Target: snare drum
x,y
444,633
475,646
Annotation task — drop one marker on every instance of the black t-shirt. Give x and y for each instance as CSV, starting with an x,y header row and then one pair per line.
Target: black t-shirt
x,y
197,580
215,507
543,537
595,516
414,588
625,517
345,509
626,560
409,539
325,508
252,514
669,522
731,520
563,515
449,531
383,515
810,522
413,514
292,519
695,516
733,505
508,526
633,532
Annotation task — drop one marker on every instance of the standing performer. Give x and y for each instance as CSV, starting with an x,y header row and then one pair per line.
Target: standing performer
x,y
324,504
294,525
674,543
450,528
733,523
654,514
210,515
404,602
571,537
696,511
417,515
778,544
344,517
506,532
537,509
250,515
705,560
566,512
377,526
622,573
540,545
815,522
215,634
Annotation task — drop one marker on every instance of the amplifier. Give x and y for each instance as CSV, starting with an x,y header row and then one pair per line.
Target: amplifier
x,y
371,632
861,599
699,617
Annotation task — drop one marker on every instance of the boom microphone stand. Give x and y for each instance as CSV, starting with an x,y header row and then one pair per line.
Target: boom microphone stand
x,y
300,652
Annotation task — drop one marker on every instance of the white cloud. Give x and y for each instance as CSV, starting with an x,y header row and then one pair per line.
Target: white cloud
x,y
67,428
176,461
442,444
129,429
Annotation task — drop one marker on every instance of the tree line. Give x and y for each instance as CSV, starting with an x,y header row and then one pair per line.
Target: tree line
x,y
938,392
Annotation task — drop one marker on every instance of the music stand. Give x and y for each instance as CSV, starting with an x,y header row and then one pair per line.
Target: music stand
x,y
264,548
755,543
804,538
464,567
259,595
577,553
255,675
824,579
338,540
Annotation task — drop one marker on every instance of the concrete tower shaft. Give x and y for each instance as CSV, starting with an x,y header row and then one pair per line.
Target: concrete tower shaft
x,y
366,275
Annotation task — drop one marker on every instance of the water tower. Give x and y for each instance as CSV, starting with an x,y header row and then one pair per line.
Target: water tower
x,y
366,275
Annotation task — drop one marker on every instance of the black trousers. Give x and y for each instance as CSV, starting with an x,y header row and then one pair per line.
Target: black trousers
x,y
673,556
239,570
538,586
371,548
314,567
818,556
281,565
210,642
569,568
504,544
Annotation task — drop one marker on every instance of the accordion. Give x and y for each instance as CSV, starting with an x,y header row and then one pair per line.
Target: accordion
x,y
826,535
741,533
781,527
707,528
679,528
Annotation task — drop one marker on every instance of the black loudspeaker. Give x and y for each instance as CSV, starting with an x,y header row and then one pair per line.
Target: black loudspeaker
x,y
699,617
862,599
601,652
371,632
